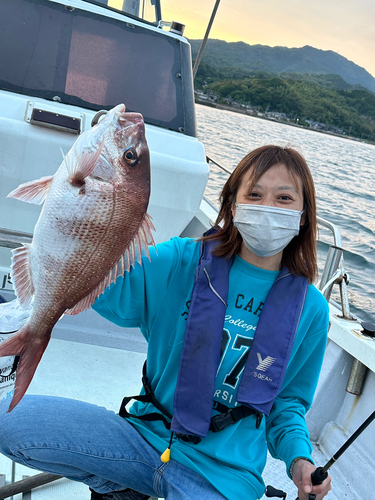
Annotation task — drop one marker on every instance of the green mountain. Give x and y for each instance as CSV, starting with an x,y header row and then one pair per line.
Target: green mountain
x,y
276,60
327,100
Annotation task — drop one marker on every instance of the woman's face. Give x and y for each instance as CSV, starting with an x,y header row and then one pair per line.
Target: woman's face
x,y
275,188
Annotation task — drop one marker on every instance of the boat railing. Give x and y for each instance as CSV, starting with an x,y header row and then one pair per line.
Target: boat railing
x,y
13,239
334,269
211,160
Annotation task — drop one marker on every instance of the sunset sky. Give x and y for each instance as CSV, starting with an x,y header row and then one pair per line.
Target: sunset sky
x,y
344,26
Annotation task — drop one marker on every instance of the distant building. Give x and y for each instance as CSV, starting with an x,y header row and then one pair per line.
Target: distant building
x,y
277,116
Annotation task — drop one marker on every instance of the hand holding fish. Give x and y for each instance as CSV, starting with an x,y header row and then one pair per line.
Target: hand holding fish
x,y
93,226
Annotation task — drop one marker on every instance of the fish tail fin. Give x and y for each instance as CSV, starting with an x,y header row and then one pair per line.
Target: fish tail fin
x,y
30,349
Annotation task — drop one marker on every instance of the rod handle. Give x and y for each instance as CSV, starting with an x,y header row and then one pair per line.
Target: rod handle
x,y
317,477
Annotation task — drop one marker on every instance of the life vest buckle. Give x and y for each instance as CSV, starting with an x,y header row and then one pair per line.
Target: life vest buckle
x,y
220,422
188,439
232,416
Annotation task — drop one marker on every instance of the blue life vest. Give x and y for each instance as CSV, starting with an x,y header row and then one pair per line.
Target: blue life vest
x,y
272,344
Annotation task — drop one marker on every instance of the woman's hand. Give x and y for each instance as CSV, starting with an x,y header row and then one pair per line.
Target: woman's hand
x,y
302,471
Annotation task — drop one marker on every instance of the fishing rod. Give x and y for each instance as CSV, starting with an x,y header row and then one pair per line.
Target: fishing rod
x,y
203,44
321,473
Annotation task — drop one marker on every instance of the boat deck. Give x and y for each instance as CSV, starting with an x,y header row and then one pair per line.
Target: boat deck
x,y
87,372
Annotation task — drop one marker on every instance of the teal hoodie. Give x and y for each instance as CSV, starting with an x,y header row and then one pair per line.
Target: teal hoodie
x,y
155,297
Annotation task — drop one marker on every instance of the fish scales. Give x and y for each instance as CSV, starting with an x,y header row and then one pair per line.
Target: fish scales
x,y
92,227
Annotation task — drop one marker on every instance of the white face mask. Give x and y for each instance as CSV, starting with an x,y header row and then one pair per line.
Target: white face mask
x,y
266,230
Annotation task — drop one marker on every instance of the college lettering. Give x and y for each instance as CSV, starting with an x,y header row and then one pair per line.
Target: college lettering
x,y
247,305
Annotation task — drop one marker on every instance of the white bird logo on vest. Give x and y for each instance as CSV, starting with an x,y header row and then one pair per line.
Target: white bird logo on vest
x,y
264,364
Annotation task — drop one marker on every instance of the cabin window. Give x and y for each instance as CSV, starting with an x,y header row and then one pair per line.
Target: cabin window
x,y
147,10
85,59
143,9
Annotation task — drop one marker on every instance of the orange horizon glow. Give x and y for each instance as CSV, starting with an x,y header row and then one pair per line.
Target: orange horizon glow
x,y
343,26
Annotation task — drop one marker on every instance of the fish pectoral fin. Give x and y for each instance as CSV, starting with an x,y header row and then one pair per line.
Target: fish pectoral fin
x,y
133,253
138,247
84,303
21,274
34,191
81,165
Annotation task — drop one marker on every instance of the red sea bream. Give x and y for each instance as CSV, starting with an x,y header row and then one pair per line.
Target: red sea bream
x,y
93,226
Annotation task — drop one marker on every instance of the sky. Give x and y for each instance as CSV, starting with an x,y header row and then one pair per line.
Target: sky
x,y
344,26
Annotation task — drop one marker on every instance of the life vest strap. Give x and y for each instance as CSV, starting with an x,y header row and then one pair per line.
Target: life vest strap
x,y
228,416
149,417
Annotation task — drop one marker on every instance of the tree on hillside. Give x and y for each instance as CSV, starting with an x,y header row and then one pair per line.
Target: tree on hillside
x,y
352,111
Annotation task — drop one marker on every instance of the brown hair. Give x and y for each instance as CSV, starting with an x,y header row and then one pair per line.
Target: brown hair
x,y
300,254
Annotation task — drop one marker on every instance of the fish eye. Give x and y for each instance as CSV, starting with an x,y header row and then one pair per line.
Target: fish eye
x,y
130,156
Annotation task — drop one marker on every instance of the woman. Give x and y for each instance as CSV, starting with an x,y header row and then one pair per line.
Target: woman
x,y
236,335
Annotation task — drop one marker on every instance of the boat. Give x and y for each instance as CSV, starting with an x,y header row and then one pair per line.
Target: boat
x,y
75,60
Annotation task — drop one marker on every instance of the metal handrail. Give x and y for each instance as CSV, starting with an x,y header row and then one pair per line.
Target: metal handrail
x,y
209,159
13,239
333,229
334,270
27,484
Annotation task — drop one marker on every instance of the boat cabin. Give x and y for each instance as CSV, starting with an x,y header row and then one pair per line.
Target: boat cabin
x,y
63,62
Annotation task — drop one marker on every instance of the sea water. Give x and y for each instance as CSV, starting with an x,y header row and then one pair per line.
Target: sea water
x,y
344,175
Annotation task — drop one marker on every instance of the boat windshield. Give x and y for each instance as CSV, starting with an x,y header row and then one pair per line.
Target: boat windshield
x,y
147,10
74,56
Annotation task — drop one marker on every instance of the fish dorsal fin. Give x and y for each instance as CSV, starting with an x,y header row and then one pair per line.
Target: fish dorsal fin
x,y
81,165
137,248
33,191
21,275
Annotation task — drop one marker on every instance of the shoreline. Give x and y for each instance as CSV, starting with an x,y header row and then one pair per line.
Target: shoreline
x,y
244,112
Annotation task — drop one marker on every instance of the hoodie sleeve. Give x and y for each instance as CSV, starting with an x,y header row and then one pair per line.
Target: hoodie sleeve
x,y
287,433
136,297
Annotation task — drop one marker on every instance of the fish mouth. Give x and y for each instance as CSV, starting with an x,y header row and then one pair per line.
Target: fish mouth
x,y
127,120
130,120
119,109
